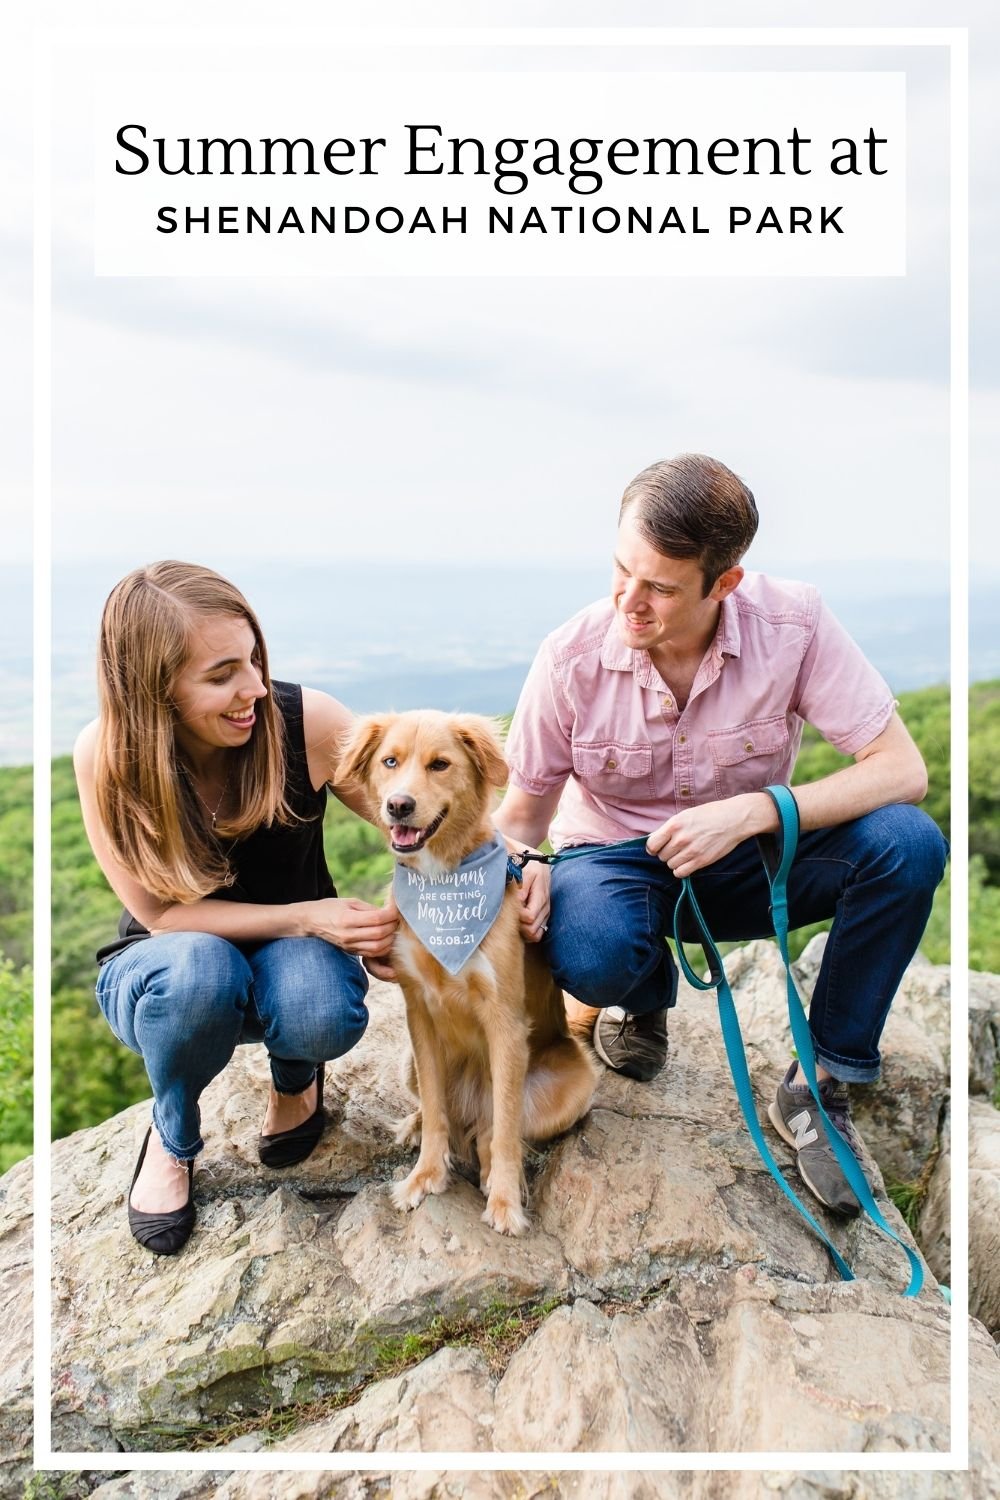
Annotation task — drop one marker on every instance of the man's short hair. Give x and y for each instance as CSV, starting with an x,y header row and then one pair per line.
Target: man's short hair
x,y
693,506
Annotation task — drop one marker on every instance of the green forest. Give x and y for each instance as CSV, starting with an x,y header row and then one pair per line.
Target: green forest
x,y
93,1076
15,958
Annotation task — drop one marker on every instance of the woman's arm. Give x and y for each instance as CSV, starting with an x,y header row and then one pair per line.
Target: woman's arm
x,y
352,925
326,722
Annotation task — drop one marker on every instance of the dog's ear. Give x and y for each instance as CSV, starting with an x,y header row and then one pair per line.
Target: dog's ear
x,y
358,746
481,737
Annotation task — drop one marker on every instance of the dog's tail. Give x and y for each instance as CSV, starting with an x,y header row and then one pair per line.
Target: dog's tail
x,y
558,1090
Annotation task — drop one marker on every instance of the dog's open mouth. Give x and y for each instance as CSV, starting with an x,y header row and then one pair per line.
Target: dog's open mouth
x,y
407,840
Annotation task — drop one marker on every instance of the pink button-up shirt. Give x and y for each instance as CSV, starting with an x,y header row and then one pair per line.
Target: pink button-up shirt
x,y
596,718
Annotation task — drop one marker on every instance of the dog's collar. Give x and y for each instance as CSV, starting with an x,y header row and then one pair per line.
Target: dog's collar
x,y
452,912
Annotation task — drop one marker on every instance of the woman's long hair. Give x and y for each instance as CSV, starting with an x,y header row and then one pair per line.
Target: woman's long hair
x,y
145,794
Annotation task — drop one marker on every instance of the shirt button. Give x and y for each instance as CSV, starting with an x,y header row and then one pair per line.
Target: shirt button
x,y
748,745
668,703
682,739
611,764
685,791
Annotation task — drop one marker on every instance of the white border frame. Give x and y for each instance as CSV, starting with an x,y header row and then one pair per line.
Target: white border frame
x,y
955,40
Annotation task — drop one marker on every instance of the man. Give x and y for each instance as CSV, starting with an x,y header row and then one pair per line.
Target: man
x,y
664,711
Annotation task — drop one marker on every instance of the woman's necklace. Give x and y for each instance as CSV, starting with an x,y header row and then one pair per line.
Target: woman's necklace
x,y
213,812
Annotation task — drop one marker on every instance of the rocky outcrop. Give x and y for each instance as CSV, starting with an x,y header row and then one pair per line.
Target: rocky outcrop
x,y
934,1224
666,1297
984,1213
984,1150
15,1324
549,1484
984,1034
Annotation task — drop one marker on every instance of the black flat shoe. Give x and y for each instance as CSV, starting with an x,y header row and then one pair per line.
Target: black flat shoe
x,y
164,1234
291,1146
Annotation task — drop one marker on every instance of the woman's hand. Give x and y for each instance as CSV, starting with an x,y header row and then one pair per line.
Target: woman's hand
x,y
534,895
355,926
381,968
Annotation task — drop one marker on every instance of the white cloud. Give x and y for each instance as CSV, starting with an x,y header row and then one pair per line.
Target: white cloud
x,y
256,414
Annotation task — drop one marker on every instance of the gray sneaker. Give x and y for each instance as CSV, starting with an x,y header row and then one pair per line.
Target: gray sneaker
x,y
797,1120
633,1045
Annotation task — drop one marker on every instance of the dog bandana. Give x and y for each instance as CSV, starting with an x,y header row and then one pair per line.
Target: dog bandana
x,y
453,912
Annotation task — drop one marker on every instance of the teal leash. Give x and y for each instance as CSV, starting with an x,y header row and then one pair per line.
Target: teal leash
x,y
777,866
778,853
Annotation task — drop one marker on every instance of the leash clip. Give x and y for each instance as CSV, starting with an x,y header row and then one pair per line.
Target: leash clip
x,y
520,859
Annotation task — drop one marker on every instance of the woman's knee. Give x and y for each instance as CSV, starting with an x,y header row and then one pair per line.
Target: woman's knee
x,y
195,981
316,1008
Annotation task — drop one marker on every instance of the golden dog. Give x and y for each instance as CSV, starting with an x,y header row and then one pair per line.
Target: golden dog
x,y
492,1060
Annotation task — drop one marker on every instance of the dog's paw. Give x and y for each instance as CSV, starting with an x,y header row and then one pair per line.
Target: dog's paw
x,y
505,1215
422,1180
408,1131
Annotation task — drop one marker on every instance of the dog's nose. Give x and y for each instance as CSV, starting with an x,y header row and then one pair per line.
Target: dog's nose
x,y
400,808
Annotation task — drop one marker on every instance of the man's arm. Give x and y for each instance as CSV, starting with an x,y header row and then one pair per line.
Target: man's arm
x,y
524,817
889,769
524,820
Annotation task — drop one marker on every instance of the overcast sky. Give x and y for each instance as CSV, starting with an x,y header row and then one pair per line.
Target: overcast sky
x,y
208,418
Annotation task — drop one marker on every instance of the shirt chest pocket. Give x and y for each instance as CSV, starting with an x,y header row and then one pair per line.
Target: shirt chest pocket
x,y
614,771
750,756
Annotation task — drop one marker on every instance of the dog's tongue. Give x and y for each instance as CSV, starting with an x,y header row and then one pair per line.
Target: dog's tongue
x,y
405,837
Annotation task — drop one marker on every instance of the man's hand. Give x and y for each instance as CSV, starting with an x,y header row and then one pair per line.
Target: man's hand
x,y
699,836
523,819
533,893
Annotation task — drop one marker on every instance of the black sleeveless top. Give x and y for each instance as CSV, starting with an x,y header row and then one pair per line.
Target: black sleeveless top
x,y
275,865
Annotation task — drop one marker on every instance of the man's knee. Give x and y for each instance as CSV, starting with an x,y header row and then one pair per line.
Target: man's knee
x,y
905,842
599,967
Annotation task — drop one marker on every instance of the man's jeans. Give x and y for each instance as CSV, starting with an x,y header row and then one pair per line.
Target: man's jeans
x,y
875,877
184,1000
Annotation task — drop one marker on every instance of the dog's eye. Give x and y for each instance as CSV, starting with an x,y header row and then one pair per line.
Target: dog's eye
x,y
439,765
389,761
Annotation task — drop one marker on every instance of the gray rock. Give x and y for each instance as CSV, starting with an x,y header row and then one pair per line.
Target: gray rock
x,y
589,1383
984,1033
444,1404
201,1484
838,1485
15,1329
591,1484
934,1230
984,1214
984,1403
680,1270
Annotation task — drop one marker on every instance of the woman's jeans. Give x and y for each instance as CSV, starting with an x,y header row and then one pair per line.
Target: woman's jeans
x,y
875,877
184,1000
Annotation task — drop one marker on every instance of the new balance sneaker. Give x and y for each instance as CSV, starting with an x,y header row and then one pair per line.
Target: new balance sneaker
x,y
633,1045
797,1120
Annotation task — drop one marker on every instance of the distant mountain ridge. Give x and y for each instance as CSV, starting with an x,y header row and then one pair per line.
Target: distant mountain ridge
x,y
382,636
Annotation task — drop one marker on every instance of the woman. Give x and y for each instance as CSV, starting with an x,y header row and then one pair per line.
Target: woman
x,y
202,785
